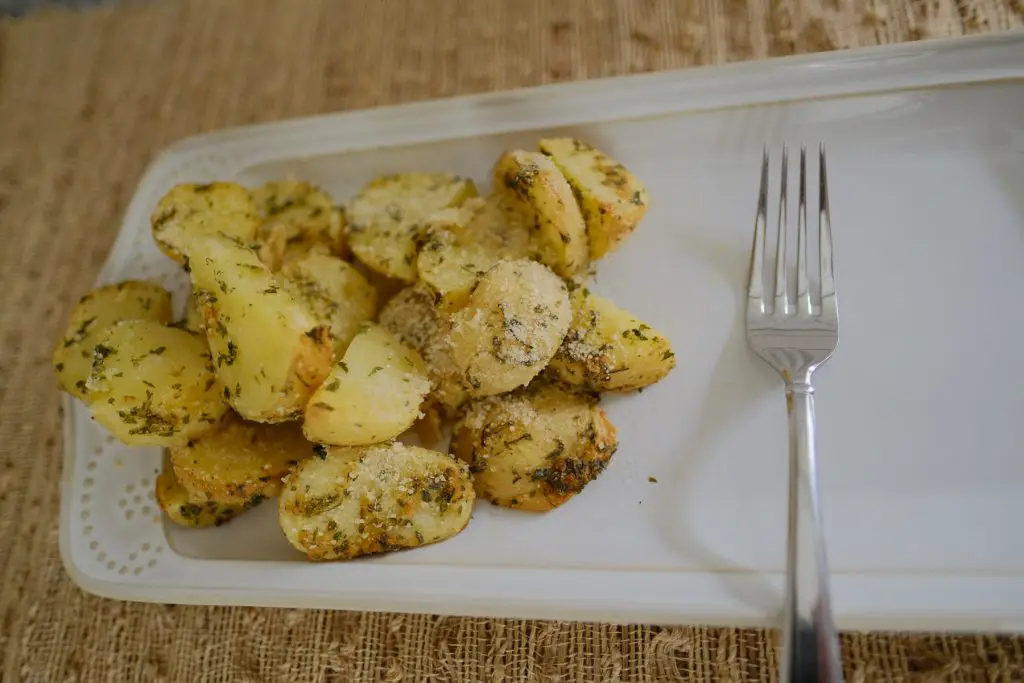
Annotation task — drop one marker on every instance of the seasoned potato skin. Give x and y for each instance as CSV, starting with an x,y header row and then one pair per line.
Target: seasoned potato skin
x,y
511,327
192,209
532,183
269,351
154,385
348,502
297,218
608,349
89,320
173,499
611,198
535,448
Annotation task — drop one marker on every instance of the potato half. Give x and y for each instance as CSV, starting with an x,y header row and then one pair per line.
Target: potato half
x,y
297,218
154,385
512,325
202,209
612,200
385,218
173,499
269,351
359,501
535,448
608,349
89,320
372,395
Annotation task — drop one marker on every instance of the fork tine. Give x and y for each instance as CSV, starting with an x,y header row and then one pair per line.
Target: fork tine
x,y
828,283
781,298
755,287
803,293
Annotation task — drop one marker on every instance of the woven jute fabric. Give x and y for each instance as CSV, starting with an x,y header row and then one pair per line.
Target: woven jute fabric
x,y
88,98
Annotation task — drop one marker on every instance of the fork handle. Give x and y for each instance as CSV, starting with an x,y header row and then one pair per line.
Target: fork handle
x,y
810,643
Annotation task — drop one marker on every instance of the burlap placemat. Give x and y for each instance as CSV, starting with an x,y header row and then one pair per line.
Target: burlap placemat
x,y
87,99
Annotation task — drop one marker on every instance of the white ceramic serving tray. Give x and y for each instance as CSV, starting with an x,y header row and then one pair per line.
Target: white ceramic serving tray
x,y
920,412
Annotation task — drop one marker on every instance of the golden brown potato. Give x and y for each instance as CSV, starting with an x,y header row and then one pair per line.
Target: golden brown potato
x,y
429,429
202,209
240,464
613,201
359,501
533,185
154,385
334,292
372,395
269,351
412,316
535,448
385,218
512,325
173,499
607,349
89,320
297,218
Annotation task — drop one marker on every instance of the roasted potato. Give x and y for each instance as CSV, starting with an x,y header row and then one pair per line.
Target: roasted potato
x,y
532,184
154,385
297,218
202,209
612,200
607,349
372,395
384,219
269,351
334,292
173,499
89,320
193,320
512,325
535,448
459,245
412,315
241,463
359,501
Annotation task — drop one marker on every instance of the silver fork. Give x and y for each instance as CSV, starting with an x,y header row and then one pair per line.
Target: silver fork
x,y
795,338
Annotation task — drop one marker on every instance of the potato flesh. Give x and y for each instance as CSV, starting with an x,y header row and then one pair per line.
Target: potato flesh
x,y
374,499
608,349
536,448
530,182
173,499
298,218
188,210
153,385
334,292
511,327
385,218
611,198
90,319
268,349
193,320
241,463
372,395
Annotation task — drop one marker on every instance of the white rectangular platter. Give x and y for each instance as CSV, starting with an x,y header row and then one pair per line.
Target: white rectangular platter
x,y
921,411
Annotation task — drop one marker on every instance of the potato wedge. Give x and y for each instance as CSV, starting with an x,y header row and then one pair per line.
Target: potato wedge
x,y
374,499
372,395
269,351
535,448
385,218
173,499
334,292
512,326
240,464
608,349
459,245
531,183
611,198
154,385
297,218
202,209
412,315
89,320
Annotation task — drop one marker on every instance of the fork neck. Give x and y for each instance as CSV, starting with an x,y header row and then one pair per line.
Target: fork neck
x,y
799,382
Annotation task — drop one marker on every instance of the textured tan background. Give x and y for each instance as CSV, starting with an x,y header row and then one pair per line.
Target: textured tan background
x,y
87,99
